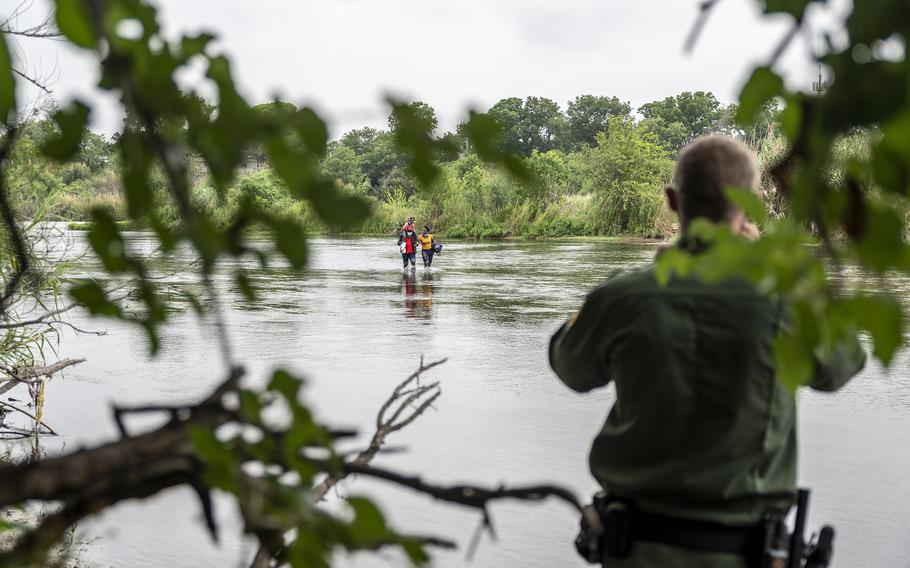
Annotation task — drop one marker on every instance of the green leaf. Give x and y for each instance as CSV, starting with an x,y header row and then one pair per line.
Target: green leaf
x,y
749,202
795,8
105,238
368,525
791,117
220,461
416,553
881,245
74,20
250,406
136,160
71,123
313,131
672,261
7,83
286,384
763,85
246,286
882,317
88,293
291,241
877,20
336,209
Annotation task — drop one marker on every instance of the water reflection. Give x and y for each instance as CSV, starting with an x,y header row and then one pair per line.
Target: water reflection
x,y
418,297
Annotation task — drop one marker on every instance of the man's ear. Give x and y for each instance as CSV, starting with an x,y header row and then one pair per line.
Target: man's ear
x,y
672,199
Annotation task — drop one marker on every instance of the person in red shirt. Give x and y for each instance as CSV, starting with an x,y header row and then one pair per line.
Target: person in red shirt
x,y
407,243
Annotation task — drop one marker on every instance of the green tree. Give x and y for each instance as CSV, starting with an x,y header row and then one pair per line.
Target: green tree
x,y
344,165
589,115
679,120
376,152
628,168
533,124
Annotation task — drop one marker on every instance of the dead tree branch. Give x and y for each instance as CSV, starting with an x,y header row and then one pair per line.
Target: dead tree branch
x,y
29,375
30,415
89,480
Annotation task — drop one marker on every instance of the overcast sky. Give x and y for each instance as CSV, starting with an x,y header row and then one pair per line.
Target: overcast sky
x,y
343,56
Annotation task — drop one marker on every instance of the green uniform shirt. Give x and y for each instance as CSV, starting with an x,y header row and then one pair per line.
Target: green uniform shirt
x,y
701,427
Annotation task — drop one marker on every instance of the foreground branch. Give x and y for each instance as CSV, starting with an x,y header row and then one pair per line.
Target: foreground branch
x,y
135,467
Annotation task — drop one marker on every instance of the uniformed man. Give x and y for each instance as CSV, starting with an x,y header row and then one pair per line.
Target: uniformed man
x,y
701,440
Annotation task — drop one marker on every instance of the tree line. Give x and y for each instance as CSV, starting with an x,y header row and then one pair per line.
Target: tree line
x,y
598,168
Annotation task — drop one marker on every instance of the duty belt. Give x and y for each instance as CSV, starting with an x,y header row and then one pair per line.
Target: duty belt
x,y
612,526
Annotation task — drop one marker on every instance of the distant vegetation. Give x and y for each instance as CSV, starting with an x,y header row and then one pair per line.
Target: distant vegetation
x,y
600,170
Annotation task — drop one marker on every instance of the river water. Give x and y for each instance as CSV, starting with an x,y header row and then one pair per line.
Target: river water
x,y
355,326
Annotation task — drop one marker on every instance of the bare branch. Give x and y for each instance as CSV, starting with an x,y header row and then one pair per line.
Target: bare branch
x,y
40,84
39,320
30,415
467,495
30,374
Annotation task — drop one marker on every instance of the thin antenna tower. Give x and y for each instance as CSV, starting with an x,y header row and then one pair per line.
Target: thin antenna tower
x,y
820,85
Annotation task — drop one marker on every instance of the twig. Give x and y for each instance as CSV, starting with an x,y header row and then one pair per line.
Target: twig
x,y
704,11
33,81
467,495
30,374
39,320
32,416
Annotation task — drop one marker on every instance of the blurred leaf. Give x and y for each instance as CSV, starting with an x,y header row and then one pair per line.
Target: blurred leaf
x,y
672,261
882,317
246,286
336,209
840,107
763,85
291,241
881,245
88,293
368,525
220,461
71,122
795,8
878,19
74,20
195,45
136,160
482,131
250,406
313,131
286,384
416,553
108,244
749,202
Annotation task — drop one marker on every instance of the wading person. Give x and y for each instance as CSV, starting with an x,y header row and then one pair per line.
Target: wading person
x,y
426,246
407,244
700,445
